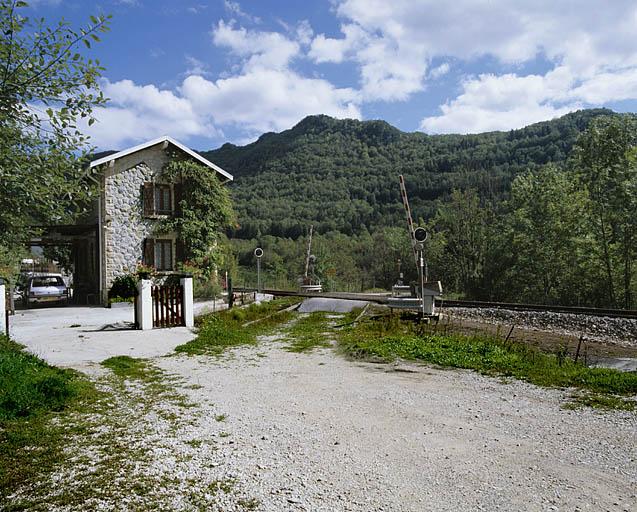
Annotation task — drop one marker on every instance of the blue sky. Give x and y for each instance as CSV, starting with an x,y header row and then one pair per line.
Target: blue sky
x,y
213,71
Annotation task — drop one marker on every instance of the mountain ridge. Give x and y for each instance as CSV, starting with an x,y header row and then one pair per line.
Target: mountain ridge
x,y
341,175
384,133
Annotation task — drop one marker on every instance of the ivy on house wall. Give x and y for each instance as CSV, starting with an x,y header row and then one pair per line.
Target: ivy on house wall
x,y
203,212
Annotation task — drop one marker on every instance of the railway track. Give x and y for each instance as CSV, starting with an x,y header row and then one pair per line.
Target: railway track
x,y
442,303
575,310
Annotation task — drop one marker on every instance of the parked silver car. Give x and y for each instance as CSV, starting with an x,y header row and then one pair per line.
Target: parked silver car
x,y
45,289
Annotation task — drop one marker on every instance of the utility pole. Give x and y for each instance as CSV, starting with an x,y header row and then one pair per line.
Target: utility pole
x,y
309,251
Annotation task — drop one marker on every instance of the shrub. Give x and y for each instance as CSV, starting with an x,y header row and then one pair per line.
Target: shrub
x,y
206,288
124,286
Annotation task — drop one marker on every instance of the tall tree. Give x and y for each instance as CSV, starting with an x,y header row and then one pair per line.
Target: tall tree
x,y
548,236
604,163
46,85
465,227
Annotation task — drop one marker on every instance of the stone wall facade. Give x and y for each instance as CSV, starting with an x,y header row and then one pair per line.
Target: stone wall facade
x,y
124,226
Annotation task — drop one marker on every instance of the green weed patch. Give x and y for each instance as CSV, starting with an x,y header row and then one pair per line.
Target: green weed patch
x,y
599,401
231,328
132,368
308,333
390,338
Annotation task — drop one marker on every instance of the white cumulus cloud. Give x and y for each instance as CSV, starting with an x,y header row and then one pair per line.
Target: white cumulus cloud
x,y
587,53
591,43
258,48
142,112
244,101
492,102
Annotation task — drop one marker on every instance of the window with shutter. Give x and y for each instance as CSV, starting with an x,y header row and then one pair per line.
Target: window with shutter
x,y
163,200
158,253
164,254
179,250
177,192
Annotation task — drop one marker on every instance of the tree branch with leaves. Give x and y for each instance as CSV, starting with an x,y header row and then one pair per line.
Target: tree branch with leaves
x,y
47,84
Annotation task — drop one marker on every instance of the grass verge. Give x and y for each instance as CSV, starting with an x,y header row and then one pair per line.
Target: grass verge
x,y
390,338
219,331
308,333
29,385
32,396
156,382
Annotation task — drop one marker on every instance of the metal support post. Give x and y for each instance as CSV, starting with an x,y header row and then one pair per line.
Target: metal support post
x,y
422,281
258,253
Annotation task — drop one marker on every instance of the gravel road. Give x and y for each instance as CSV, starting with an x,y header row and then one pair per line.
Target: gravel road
x,y
261,428
318,432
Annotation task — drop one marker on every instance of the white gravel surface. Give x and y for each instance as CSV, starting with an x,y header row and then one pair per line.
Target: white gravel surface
x,y
77,336
316,432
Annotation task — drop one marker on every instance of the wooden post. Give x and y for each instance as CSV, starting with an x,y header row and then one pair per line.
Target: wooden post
x,y
156,320
165,312
509,335
579,344
171,304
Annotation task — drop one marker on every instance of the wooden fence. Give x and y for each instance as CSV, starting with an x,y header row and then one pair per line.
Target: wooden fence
x,y
168,306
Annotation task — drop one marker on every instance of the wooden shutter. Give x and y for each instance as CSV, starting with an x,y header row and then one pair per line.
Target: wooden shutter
x,y
179,251
149,252
177,189
149,199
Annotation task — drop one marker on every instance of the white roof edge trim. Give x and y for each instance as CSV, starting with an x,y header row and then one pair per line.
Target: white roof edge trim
x,y
154,142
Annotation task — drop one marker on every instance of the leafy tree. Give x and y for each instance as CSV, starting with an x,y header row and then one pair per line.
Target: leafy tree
x,y
389,246
341,175
605,165
466,228
46,85
548,237
522,230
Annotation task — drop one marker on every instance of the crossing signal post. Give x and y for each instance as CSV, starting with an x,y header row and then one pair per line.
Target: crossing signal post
x,y
258,253
420,235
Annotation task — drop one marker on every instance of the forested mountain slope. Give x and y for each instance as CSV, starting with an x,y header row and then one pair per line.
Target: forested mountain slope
x,y
342,175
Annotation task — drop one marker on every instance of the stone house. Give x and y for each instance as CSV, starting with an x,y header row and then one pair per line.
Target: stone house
x,y
133,199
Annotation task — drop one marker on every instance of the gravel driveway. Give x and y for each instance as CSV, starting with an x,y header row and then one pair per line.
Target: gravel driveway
x,y
76,336
318,432
267,429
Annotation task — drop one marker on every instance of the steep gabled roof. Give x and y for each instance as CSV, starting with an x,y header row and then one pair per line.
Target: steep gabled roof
x,y
160,140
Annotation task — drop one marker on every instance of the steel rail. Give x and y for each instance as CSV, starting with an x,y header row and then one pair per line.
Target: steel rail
x,y
514,306
442,303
